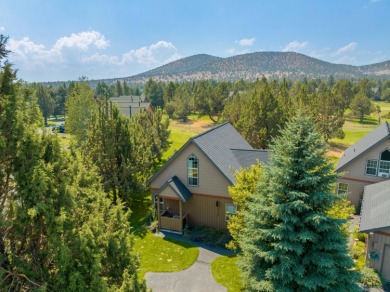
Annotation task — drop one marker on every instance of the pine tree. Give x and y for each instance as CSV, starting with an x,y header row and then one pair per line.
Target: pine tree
x,y
289,242
80,107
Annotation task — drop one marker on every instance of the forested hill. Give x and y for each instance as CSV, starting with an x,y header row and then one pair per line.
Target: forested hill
x,y
253,65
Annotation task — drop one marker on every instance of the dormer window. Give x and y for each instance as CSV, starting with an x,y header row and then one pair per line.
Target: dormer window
x,y
193,171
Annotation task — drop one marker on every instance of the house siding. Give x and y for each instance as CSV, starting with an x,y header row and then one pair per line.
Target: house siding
x,y
211,180
203,211
377,243
168,193
354,172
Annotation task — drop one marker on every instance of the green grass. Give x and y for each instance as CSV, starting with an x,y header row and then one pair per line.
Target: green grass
x,y
226,273
351,137
385,106
164,255
180,135
156,253
178,138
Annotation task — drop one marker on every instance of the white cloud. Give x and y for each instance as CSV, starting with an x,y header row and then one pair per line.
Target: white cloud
x,y
346,49
295,46
156,54
239,52
83,41
85,53
160,52
246,42
2,28
28,51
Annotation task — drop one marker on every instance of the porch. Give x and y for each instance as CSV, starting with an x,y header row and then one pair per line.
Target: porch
x,y
172,222
170,199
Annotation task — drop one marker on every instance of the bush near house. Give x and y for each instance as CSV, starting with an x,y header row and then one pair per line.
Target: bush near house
x,y
370,278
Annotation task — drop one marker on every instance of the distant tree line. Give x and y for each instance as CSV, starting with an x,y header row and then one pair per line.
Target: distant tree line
x,y
258,109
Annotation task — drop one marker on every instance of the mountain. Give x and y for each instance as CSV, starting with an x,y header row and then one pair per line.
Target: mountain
x,y
255,65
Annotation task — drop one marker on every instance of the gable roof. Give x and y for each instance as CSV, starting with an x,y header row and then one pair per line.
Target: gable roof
x,y
178,187
367,142
225,148
375,213
247,158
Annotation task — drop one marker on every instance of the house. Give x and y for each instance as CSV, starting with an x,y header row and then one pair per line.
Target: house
x,y
131,105
364,163
192,187
366,171
375,220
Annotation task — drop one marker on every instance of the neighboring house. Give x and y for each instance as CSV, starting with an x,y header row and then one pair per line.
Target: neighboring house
x,y
375,220
364,163
192,187
366,168
131,105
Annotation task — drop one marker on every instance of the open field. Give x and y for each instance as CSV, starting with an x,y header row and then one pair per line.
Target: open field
x,y
354,130
181,132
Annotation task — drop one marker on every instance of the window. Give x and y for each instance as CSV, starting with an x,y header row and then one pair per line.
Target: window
x,y
385,155
371,166
342,188
159,201
161,205
231,210
193,171
384,167
384,163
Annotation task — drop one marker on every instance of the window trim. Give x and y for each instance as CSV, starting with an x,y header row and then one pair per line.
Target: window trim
x,y
228,214
188,177
376,169
338,188
379,166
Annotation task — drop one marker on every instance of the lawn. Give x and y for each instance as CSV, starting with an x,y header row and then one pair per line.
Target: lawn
x,y
351,137
164,255
226,273
156,253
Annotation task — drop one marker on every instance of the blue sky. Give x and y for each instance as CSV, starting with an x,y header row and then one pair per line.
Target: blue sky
x,y
63,40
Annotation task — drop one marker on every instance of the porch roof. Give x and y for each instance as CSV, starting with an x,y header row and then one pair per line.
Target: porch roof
x,y
178,187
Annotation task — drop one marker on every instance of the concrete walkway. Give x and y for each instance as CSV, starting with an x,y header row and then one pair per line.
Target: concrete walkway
x,y
197,278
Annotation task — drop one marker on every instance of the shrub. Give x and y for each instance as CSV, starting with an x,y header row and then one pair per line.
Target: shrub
x,y
358,250
370,278
361,236
209,236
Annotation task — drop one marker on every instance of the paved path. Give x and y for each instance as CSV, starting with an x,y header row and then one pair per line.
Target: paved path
x,y
197,278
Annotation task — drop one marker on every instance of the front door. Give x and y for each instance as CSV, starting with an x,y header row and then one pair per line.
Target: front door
x,y
386,263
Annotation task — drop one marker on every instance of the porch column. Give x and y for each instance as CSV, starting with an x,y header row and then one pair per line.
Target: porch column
x,y
181,216
158,211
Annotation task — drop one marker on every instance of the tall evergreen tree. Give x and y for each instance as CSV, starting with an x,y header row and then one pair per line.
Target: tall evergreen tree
x,y
289,242
80,107
361,105
58,231
45,101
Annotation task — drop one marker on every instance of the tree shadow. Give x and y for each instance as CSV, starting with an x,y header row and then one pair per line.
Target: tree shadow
x,y
141,210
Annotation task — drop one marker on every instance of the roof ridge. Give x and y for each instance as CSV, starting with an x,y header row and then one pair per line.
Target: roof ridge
x,y
209,130
258,150
388,127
